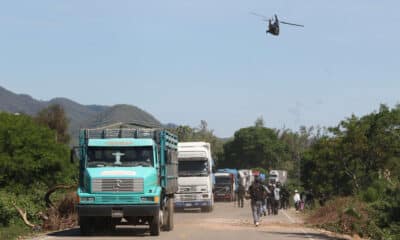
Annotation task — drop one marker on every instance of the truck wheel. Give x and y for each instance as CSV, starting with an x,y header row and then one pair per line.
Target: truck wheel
x,y
169,222
109,225
86,226
155,225
207,209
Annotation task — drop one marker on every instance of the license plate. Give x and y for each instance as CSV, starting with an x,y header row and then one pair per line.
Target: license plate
x,y
117,213
188,204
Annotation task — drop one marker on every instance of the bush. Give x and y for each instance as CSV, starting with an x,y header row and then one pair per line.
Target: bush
x,y
7,212
31,161
347,215
14,231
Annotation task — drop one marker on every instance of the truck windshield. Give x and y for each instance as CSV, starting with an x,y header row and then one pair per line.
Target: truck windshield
x,y
120,156
222,180
192,168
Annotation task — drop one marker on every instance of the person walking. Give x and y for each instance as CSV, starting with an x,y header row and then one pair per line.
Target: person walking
x,y
302,200
270,199
241,192
296,200
257,194
285,195
265,200
277,198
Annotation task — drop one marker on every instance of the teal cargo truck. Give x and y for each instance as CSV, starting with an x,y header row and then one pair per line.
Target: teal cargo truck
x,y
126,176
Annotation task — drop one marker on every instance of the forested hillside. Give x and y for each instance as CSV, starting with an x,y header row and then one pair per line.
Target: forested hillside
x,y
78,115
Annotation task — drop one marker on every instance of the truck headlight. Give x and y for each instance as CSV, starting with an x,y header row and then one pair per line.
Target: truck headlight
x,y
203,188
87,199
149,199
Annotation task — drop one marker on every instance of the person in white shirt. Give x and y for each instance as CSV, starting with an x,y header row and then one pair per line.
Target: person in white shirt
x,y
296,199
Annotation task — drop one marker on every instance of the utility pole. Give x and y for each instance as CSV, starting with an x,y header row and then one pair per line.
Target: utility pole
x,y
298,165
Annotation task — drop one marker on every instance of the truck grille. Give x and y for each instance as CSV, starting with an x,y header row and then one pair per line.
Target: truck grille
x,y
222,190
117,185
188,197
189,188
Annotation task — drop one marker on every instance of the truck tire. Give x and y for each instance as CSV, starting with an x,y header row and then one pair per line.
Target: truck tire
x,y
86,226
108,225
155,225
169,221
207,209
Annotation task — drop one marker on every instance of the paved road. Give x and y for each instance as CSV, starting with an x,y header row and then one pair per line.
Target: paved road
x,y
225,222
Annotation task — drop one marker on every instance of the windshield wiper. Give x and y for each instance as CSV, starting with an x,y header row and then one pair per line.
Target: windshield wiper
x,y
188,174
143,164
97,164
200,174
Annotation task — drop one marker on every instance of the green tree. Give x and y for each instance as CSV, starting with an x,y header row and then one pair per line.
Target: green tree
x,y
29,153
31,161
259,122
254,147
360,157
201,133
54,117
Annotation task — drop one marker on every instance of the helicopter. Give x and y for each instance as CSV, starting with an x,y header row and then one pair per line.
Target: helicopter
x,y
273,24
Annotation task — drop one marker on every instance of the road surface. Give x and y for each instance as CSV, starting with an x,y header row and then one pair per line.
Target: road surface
x,y
225,222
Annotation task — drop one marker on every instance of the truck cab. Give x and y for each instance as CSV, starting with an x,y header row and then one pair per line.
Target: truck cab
x,y
276,176
126,176
195,181
225,186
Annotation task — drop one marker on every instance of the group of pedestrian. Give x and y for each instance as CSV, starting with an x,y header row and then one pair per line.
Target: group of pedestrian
x,y
269,198
264,199
303,200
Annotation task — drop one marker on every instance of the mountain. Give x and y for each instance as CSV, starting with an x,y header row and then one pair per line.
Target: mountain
x,y
21,103
122,113
80,116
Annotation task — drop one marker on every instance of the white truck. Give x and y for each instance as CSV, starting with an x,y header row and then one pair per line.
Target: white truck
x,y
246,178
277,176
195,177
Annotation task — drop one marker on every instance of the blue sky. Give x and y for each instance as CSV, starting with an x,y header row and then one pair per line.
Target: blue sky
x,y
184,61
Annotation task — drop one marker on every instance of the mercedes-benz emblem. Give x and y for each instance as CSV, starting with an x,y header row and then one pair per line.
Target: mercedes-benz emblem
x,y
117,185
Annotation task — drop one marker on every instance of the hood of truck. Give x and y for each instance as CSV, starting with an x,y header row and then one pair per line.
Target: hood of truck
x,y
194,184
148,174
205,180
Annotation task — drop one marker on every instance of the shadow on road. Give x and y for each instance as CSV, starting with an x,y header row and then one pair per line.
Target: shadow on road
x,y
120,231
316,236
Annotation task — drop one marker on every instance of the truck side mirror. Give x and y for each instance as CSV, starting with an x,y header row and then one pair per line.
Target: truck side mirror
x,y
74,154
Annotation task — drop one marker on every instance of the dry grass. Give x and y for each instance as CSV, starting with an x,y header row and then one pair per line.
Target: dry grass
x,y
345,215
63,215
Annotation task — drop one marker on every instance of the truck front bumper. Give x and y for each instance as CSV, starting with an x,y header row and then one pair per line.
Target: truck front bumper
x,y
87,210
193,204
223,197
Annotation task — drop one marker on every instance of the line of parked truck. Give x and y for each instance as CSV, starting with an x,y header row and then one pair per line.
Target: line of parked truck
x,y
130,175
227,181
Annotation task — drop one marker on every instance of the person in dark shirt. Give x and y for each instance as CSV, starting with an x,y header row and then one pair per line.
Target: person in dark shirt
x,y
257,194
241,193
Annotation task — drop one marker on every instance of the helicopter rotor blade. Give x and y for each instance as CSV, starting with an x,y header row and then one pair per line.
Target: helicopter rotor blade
x,y
293,24
259,15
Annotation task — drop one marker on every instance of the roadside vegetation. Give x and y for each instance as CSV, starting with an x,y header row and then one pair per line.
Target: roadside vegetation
x,y
357,166
351,169
34,158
